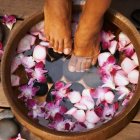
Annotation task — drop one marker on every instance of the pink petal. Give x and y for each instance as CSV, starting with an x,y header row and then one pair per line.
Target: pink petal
x,y
133,76
123,90
123,41
28,62
25,43
88,102
128,65
106,37
129,50
39,53
15,64
127,99
71,111
102,58
135,59
89,125
108,81
120,78
80,106
15,80
87,93
113,46
79,115
74,96
92,117
109,97
9,21
108,112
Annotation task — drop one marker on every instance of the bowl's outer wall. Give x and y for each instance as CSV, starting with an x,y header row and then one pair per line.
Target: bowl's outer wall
x,y
101,133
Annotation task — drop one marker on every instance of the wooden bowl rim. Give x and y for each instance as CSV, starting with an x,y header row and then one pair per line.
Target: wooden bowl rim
x,y
40,130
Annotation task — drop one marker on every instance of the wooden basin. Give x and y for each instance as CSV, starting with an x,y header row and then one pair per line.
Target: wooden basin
x,y
103,132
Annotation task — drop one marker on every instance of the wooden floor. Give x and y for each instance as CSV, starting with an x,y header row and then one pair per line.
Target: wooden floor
x,y
26,8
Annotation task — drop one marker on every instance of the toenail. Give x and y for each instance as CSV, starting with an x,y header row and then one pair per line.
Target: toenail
x,y
67,50
71,69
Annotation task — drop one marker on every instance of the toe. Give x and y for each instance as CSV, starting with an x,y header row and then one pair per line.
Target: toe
x,y
88,64
72,63
67,46
61,46
51,42
56,44
78,65
83,65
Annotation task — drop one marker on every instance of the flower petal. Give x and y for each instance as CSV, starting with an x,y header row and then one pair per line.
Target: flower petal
x,y
92,117
133,76
113,46
39,53
102,58
80,106
9,21
74,96
15,80
123,41
135,59
28,62
71,111
120,78
129,50
25,43
109,97
79,115
88,102
128,65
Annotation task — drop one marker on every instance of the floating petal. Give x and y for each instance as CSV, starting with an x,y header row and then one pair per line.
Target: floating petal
x,y
92,117
25,43
128,65
74,96
120,78
133,76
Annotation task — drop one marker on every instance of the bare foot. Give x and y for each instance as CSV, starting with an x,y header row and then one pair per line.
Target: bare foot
x,y
86,42
86,46
57,25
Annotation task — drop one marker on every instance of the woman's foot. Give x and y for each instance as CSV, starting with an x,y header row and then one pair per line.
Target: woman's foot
x,y
57,25
86,45
86,42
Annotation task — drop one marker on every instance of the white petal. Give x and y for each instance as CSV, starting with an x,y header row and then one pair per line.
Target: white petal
x,y
113,46
80,115
39,53
89,125
133,76
109,97
80,106
92,117
120,78
86,93
25,43
135,59
28,62
88,102
74,96
102,58
128,65
71,111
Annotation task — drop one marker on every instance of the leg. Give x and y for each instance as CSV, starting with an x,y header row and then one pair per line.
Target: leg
x,y
57,15
86,43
